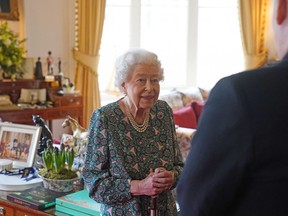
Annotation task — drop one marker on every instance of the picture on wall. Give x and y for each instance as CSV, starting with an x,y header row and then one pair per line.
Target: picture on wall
x,y
9,10
18,143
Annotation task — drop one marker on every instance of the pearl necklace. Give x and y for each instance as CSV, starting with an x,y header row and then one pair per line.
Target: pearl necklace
x,y
140,128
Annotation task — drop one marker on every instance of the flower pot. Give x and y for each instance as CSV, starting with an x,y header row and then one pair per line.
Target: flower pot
x,y
68,90
9,73
61,185
5,75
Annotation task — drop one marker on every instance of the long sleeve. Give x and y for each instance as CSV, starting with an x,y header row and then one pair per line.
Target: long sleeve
x,y
103,187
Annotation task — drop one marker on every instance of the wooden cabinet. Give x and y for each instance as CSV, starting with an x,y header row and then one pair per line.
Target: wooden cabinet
x,y
20,116
6,209
69,104
13,88
48,114
62,113
67,100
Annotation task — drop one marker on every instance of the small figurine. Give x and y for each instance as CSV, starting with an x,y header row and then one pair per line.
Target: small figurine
x,y
46,135
80,135
50,63
78,130
38,70
59,65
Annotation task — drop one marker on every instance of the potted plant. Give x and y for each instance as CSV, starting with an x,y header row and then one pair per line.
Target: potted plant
x,y
57,173
11,52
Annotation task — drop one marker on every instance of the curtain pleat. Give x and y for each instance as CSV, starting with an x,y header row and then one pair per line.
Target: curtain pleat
x,y
91,18
253,15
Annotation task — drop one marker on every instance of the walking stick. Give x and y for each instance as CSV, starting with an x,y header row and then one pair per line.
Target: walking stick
x,y
153,202
153,206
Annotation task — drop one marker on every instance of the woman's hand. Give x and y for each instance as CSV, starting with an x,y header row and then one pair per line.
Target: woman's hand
x,y
154,184
144,187
163,179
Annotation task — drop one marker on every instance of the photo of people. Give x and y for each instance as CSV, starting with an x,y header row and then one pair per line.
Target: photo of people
x,y
15,146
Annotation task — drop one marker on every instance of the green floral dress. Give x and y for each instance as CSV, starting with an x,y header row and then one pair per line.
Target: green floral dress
x,y
116,153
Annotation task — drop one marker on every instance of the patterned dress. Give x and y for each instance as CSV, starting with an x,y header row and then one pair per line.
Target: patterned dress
x,y
116,154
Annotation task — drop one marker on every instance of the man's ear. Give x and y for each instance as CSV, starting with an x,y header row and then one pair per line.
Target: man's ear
x,y
281,11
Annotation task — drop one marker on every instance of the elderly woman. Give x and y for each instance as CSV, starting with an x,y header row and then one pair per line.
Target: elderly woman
x,y
132,157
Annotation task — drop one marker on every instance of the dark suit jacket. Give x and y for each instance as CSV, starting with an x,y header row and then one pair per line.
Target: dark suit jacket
x,y
238,164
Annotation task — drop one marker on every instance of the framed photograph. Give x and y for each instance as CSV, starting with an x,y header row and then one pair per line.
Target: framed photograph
x,y
9,10
27,67
18,143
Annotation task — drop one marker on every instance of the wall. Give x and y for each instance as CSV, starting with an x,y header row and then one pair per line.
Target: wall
x,y
48,25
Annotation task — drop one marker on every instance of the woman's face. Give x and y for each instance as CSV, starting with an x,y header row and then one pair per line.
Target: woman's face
x,y
142,86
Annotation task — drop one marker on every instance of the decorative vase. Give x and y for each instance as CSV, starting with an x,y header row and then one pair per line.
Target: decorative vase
x,y
59,185
11,77
68,90
5,75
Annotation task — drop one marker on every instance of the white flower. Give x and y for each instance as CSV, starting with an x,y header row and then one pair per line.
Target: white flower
x,y
9,62
11,51
7,42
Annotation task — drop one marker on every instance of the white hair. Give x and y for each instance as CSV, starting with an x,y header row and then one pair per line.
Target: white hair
x,y
125,63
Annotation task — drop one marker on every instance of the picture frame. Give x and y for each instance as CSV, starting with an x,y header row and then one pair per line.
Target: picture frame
x,y
27,67
18,143
9,10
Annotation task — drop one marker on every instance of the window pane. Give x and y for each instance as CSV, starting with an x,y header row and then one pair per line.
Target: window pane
x,y
164,31
115,38
217,3
219,44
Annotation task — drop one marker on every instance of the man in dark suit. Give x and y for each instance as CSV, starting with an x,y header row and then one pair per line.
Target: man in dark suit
x,y
238,164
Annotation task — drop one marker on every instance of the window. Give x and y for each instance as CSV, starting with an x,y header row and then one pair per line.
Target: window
x,y
219,41
197,43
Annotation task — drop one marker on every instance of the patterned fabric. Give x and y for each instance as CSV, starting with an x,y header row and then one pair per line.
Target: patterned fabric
x,y
184,137
174,99
116,154
191,94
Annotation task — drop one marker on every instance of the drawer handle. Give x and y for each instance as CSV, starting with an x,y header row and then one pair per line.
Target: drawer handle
x,y
2,210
